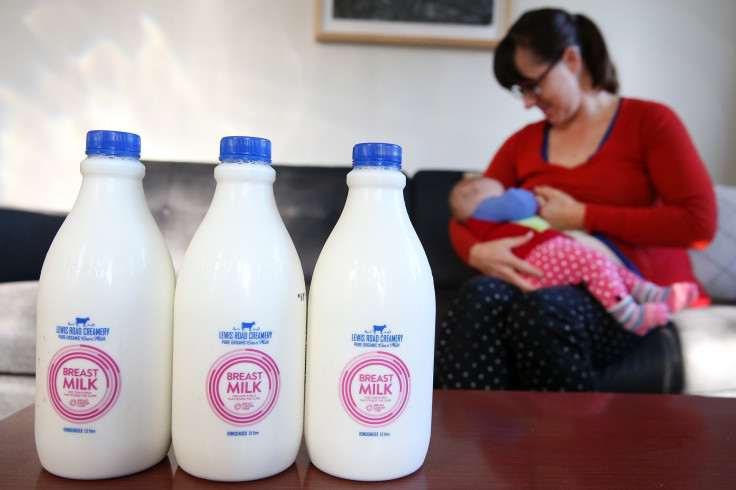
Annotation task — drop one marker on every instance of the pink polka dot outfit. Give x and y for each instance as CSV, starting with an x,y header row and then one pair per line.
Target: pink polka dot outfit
x,y
566,262
637,304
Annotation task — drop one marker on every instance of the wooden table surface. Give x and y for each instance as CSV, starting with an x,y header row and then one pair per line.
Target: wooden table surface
x,y
493,440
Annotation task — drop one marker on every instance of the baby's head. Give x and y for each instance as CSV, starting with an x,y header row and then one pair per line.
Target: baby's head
x,y
468,193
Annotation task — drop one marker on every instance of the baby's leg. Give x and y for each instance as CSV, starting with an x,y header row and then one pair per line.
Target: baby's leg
x,y
565,262
640,318
676,297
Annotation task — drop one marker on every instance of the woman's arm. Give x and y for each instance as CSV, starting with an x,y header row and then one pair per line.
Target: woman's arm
x,y
685,213
495,257
559,209
462,239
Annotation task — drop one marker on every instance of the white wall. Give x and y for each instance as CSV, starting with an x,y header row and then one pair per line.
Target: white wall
x,y
183,73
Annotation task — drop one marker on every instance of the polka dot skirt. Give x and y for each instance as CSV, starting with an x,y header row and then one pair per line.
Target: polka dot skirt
x,y
495,337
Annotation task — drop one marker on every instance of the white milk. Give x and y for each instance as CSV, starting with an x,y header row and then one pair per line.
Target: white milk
x,y
370,339
104,324
239,334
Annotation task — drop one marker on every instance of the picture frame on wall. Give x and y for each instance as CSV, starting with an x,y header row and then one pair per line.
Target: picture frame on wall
x,y
452,23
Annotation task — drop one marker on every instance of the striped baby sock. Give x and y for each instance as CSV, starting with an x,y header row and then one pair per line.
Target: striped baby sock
x,y
676,297
639,318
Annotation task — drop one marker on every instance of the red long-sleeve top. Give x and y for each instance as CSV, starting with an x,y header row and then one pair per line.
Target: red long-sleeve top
x,y
645,188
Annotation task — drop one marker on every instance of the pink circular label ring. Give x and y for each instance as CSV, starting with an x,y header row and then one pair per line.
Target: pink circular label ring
x,y
243,386
375,388
83,383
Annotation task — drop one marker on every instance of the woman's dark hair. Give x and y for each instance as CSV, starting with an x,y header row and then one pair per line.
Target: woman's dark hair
x,y
546,33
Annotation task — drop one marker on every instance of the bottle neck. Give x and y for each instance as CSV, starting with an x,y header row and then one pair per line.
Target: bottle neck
x,y
376,190
111,179
371,176
244,184
113,165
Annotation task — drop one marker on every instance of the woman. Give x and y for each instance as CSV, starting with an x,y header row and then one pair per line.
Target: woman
x,y
621,169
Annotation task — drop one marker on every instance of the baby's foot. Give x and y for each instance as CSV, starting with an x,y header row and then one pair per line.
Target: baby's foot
x,y
647,317
681,295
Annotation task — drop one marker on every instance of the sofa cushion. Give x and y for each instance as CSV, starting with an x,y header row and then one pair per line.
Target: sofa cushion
x,y
178,195
430,212
310,201
708,339
715,266
431,217
18,327
25,237
17,392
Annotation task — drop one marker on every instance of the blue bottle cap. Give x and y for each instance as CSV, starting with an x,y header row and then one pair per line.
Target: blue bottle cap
x,y
113,143
377,154
245,148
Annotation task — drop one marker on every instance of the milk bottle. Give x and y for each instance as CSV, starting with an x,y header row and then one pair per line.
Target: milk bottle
x,y
370,334
239,329
104,325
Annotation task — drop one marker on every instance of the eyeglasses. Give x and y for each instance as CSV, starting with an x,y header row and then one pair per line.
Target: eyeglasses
x,y
531,89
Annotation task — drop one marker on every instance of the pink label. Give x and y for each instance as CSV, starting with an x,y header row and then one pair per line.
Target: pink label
x,y
83,383
374,388
243,386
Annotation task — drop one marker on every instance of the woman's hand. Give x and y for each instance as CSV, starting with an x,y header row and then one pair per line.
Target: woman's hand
x,y
560,209
495,258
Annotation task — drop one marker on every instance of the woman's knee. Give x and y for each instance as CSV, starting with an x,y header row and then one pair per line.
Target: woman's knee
x,y
550,320
565,303
549,340
486,289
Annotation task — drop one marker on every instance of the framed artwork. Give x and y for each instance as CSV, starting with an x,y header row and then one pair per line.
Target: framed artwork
x,y
454,23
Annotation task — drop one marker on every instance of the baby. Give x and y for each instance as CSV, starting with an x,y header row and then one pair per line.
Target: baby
x,y
490,212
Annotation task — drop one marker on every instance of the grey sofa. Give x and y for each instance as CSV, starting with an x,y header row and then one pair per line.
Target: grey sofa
x,y
310,199
708,335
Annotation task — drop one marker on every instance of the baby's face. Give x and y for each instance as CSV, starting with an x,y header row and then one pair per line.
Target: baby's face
x,y
482,188
470,193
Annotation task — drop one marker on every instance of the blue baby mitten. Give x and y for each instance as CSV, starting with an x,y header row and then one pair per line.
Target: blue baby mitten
x,y
513,205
